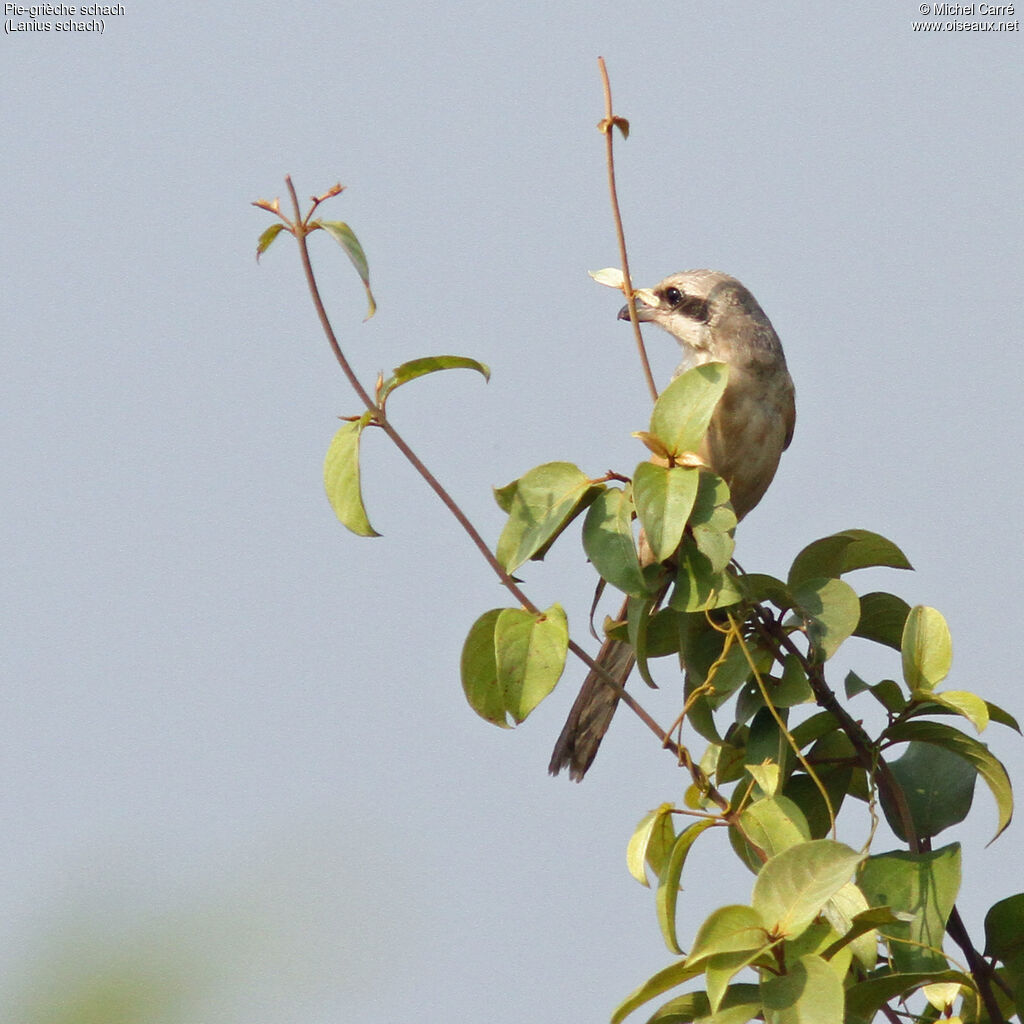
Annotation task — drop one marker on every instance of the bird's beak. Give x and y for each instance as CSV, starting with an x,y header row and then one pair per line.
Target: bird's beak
x,y
644,313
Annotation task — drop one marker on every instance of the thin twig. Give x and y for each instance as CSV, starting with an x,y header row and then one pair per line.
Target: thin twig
x,y
300,231
606,126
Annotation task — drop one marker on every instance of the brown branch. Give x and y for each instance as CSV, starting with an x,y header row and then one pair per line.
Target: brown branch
x,y
875,764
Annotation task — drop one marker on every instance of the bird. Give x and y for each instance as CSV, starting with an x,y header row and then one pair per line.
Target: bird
x,y
714,318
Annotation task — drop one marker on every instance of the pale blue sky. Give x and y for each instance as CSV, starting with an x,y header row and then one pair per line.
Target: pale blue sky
x,y
233,742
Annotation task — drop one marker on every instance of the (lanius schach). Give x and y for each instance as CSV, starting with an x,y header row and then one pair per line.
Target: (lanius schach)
x,y
715,319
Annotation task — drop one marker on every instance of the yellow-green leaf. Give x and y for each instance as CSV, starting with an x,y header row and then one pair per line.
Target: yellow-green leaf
x,y
668,882
429,364
530,656
650,843
664,499
341,478
927,648
683,411
266,239
479,669
346,238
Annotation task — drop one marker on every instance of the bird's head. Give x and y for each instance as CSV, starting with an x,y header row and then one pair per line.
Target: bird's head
x,y
703,310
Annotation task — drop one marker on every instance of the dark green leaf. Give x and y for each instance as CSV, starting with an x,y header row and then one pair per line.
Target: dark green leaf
x,y
832,556
767,743
1004,928
814,728
638,617
882,618
345,237
938,787
758,587
865,998
698,586
924,885
341,478
971,750
832,758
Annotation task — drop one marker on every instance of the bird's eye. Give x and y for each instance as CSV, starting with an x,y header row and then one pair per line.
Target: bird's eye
x,y
673,296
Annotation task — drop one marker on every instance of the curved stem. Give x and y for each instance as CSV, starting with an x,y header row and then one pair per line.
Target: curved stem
x,y
301,231
606,126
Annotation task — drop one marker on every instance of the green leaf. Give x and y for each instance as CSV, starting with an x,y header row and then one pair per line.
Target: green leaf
x,y
809,993
927,649
740,1003
730,674
651,843
856,924
668,882
832,556
664,499
773,824
732,929
721,968
1004,928
669,977
865,998
530,655
662,633
938,787
1001,717
830,610
971,750
683,410
266,239
479,670
832,757
608,541
882,618
345,237
429,364
638,618
767,742
511,661
545,501
712,521
758,587
924,885
969,705
698,586
793,886
341,478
